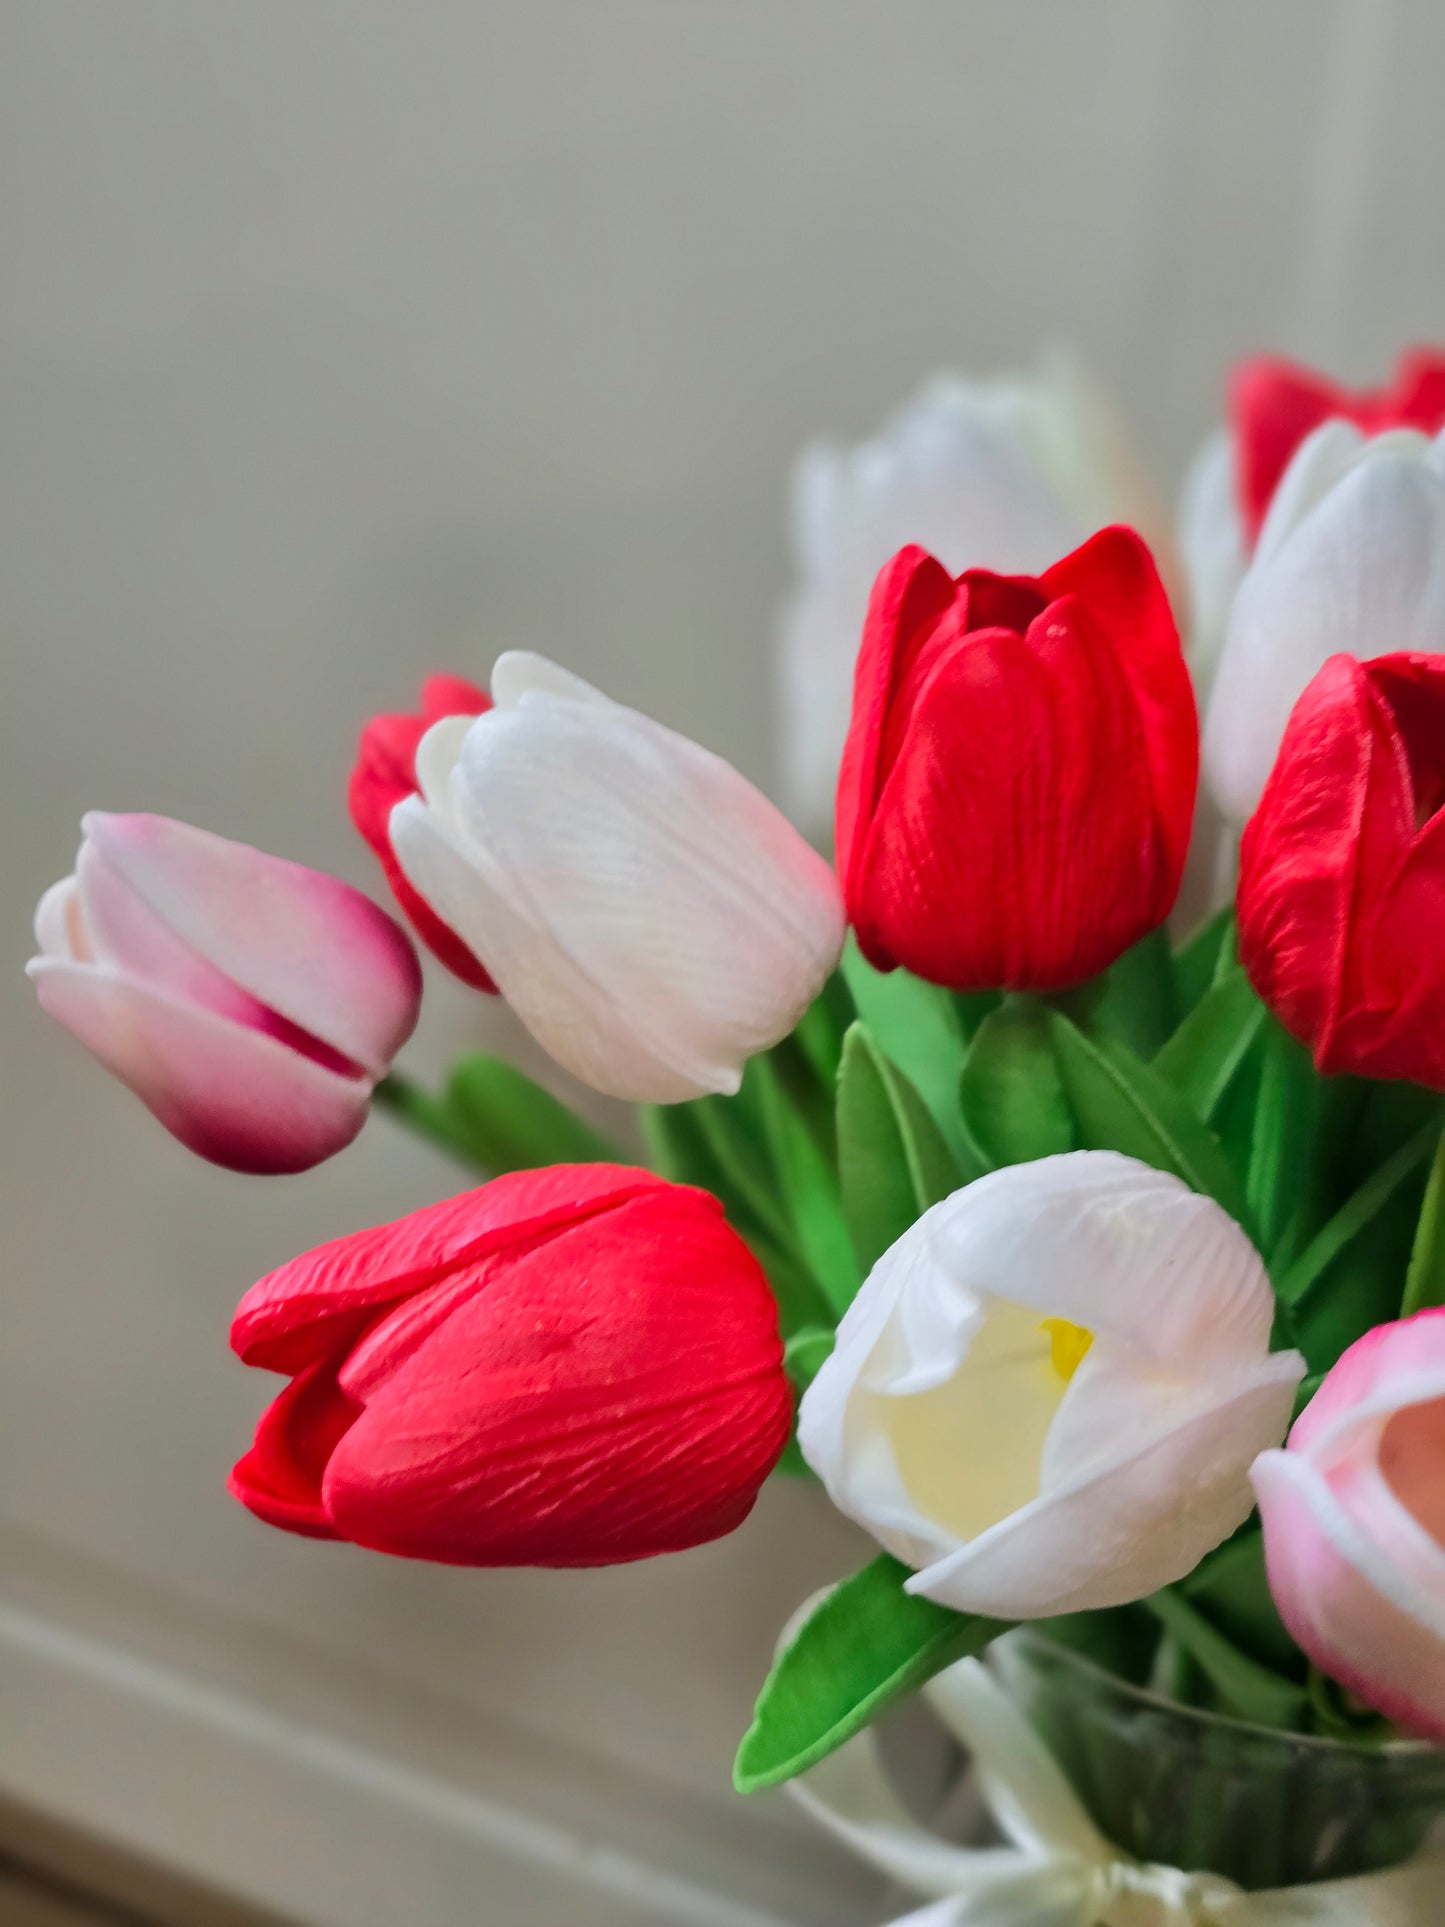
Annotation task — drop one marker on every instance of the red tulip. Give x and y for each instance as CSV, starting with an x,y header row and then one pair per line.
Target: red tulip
x,y
1274,404
384,773
568,1367
1018,781
1342,870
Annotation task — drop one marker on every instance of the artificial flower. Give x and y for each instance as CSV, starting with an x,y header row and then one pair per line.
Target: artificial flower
x,y
1018,782
249,1002
573,1366
1002,474
1354,1522
1342,871
1047,1395
650,916
1275,405
1351,559
385,772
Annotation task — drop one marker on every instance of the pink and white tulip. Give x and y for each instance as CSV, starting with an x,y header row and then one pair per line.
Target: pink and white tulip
x,y
1354,1523
250,1003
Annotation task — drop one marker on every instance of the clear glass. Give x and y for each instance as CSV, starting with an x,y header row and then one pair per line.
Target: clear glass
x,y
1193,1790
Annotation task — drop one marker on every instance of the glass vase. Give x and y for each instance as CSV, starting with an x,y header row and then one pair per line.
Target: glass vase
x,y
1195,1790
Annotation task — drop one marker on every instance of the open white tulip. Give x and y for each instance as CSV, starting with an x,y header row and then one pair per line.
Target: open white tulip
x,y
1048,1393
1005,474
650,916
1350,560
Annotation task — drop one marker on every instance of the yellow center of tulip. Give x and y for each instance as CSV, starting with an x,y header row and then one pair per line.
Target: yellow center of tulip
x,y
1068,1344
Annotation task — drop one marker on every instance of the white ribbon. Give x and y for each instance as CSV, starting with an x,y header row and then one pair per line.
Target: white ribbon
x,y
1059,1870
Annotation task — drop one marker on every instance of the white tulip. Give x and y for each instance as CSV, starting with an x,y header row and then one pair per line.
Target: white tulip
x,y
1006,474
1214,553
650,916
1047,1395
1350,560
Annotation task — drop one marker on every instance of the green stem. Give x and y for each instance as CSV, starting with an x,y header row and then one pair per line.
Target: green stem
x,y
426,1115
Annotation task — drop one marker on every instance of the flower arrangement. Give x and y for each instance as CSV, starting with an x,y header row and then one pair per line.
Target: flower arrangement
x,y
1098,1272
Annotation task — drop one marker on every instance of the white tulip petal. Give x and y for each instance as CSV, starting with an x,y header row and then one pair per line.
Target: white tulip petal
x,y
1113,1245
650,916
1018,1486
1211,540
1324,457
437,755
1136,1523
1362,572
519,673
304,945
59,923
230,1093
573,1017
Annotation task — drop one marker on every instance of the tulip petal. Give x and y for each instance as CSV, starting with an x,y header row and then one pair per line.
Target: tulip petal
x,y
545,1423
279,1479
1140,1520
1115,1246
1362,575
303,944
1211,536
307,1308
649,915
1357,1614
232,1094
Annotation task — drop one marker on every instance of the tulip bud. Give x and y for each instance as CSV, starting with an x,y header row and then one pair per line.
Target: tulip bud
x,y
1018,781
385,772
574,1366
1354,1523
1047,1394
1351,560
650,917
1342,871
1274,405
250,1003
1002,474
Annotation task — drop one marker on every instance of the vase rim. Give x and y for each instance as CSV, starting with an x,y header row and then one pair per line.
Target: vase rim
x,y
1395,1749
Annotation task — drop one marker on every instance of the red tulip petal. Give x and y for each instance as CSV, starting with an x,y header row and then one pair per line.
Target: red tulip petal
x,y
588,1405
1273,406
280,1478
308,1307
385,772
1114,576
912,593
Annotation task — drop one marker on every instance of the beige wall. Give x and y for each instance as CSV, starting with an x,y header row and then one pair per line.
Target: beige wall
x,y
342,340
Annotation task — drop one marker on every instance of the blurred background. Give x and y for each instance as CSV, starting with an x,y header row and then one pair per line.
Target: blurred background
x,y
343,340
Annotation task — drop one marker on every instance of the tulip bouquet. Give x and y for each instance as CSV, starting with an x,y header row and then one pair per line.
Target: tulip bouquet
x,y
1096,1269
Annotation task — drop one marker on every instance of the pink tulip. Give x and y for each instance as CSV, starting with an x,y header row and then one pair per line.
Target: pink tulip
x,y
249,1002
1354,1522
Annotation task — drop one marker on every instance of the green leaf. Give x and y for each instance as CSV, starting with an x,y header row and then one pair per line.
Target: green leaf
x,y
684,1147
919,1028
862,1646
1133,1000
804,1353
1197,959
1347,1279
1204,1055
892,1160
515,1124
808,1184
1245,1688
1425,1280
822,1028
1120,1104
430,1117
1283,1130
1013,1101
1230,1587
